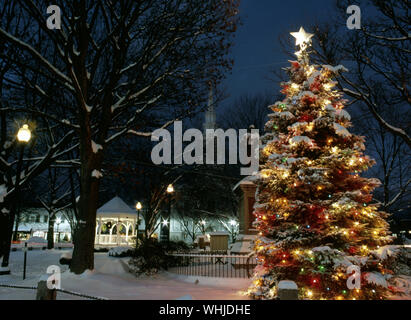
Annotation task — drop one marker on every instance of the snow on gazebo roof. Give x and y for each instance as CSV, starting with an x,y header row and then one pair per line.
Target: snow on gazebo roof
x,y
116,207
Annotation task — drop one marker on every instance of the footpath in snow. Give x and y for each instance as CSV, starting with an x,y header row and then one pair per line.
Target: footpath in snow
x,y
111,280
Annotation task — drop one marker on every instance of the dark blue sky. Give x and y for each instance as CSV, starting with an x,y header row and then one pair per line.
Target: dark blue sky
x,y
257,49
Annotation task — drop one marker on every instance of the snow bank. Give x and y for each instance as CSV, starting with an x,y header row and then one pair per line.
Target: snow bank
x,y
114,267
67,255
120,251
229,283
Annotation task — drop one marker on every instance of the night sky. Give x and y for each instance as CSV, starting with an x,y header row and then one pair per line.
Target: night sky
x,y
257,49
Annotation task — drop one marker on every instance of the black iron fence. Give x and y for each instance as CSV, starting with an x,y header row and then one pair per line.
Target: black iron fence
x,y
213,265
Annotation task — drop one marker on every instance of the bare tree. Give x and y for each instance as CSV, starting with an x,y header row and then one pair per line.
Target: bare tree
x,y
390,152
378,58
122,66
56,197
248,110
20,162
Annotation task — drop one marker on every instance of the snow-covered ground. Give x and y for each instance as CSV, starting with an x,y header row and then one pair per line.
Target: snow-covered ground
x,y
110,279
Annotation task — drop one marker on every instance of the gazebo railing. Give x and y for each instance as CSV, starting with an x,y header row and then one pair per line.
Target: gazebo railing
x,y
112,239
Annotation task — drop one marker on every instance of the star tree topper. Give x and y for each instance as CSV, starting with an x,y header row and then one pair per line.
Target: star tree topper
x,y
302,37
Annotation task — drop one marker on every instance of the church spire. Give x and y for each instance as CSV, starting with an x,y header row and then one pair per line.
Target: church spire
x,y
210,116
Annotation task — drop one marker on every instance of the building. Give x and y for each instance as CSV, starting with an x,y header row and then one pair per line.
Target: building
x,y
115,226
34,222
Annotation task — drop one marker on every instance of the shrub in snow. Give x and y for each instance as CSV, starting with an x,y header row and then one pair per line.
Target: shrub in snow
x,y
120,252
151,256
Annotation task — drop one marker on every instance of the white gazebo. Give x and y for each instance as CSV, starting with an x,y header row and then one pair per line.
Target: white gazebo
x,y
116,224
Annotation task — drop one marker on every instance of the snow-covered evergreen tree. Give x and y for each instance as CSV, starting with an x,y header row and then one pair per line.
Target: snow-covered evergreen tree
x,y
313,210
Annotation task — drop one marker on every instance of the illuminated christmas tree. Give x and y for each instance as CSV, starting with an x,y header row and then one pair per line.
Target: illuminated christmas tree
x,y
313,211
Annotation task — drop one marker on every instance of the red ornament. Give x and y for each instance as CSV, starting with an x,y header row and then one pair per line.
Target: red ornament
x,y
306,118
295,65
352,250
315,86
285,89
308,100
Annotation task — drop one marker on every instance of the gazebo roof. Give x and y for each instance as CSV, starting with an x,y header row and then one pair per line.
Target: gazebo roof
x,y
116,207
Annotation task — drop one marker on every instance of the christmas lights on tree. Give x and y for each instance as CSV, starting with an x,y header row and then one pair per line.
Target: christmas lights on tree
x,y
313,210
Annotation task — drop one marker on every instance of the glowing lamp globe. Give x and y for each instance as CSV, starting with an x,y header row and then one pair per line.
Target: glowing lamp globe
x,y
138,206
170,188
24,134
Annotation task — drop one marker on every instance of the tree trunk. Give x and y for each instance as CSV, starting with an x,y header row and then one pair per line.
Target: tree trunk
x,y
50,232
3,232
8,236
84,235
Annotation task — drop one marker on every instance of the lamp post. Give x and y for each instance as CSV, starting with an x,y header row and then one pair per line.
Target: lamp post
x,y
138,208
23,137
233,223
165,229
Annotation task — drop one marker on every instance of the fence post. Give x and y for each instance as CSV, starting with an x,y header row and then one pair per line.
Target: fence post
x,y
43,292
287,290
25,260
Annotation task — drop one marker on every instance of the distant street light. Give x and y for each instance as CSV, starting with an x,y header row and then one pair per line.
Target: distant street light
x,y
138,208
233,223
24,134
165,230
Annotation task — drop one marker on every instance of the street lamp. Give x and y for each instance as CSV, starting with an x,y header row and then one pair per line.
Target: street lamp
x,y
23,137
138,208
24,134
233,223
170,189
165,230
